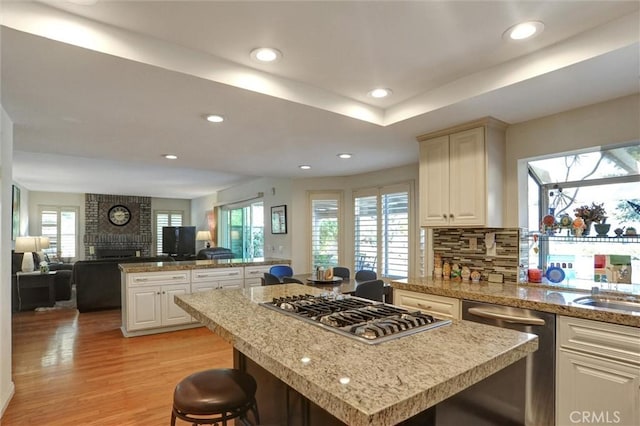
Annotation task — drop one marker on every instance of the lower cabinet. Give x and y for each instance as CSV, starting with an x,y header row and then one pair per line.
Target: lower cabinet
x,y
438,306
253,275
148,301
598,373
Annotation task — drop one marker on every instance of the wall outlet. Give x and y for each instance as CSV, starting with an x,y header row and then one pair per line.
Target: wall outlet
x,y
473,243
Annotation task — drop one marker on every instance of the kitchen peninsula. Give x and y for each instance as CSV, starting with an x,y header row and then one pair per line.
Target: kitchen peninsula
x,y
148,289
332,379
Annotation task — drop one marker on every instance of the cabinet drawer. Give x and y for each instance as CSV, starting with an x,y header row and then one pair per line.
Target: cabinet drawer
x,y
216,274
155,278
439,306
256,271
614,341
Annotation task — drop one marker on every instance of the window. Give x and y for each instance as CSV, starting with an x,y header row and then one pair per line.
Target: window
x,y
60,224
559,185
242,228
325,229
382,230
166,218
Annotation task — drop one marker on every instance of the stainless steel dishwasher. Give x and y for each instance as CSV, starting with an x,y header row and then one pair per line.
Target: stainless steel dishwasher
x,y
527,393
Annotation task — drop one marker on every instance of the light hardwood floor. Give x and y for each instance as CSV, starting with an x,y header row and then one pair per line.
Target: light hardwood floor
x,y
77,369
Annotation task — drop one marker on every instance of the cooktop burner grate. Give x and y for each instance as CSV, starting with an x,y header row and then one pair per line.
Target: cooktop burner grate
x,y
361,319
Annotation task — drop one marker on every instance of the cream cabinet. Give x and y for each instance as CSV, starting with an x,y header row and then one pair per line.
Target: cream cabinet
x,y
148,300
598,373
216,278
461,175
438,306
253,275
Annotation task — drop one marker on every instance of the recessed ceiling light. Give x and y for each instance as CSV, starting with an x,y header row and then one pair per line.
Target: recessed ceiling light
x,y
305,166
266,54
345,155
170,156
380,93
214,118
524,30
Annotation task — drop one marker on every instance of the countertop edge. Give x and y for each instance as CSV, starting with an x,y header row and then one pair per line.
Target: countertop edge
x,y
131,268
560,308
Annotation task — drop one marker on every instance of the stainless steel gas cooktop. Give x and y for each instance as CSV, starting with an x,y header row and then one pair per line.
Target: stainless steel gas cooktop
x,y
361,319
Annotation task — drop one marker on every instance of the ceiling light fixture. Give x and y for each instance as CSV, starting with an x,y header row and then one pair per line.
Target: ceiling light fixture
x,y
380,93
305,166
170,156
214,118
345,155
266,54
524,30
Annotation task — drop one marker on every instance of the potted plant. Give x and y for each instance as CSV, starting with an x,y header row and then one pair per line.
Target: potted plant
x,y
591,214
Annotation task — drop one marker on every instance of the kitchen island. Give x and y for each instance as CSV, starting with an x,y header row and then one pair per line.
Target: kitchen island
x,y
355,383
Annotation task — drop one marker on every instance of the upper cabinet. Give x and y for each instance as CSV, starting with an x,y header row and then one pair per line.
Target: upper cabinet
x,y
461,175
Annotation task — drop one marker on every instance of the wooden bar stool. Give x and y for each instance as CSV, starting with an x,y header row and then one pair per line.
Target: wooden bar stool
x,y
215,396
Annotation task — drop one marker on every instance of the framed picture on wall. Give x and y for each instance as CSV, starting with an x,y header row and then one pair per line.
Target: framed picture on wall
x,y
15,212
279,219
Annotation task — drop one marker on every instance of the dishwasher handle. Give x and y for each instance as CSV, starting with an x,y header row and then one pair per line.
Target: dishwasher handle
x,y
504,317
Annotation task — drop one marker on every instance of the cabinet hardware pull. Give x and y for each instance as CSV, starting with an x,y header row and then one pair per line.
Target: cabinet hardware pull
x,y
158,293
141,279
425,307
451,215
444,216
164,292
234,273
177,277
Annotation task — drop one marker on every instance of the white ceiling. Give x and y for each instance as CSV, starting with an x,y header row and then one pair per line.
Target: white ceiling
x,y
98,93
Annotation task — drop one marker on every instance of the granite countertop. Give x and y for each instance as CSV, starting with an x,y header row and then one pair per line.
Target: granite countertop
x,y
199,264
530,296
388,382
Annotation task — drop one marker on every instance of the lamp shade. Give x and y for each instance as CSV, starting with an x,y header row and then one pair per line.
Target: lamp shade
x,y
203,236
43,243
26,244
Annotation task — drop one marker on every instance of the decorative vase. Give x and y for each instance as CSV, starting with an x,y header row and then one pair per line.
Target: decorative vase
x,y
602,229
587,229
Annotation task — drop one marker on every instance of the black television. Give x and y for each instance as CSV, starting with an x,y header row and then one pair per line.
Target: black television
x,y
179,240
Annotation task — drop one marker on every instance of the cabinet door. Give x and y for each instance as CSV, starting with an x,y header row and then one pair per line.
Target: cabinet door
x,y
143,308
229,284
467,178
253,275
596,391
172,314
434,182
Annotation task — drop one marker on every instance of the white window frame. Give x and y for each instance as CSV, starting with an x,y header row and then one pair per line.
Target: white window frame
x,y
59,209
224,216
414,262
325,195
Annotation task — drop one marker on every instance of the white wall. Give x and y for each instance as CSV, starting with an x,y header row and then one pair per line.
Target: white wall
x,y
6,153
607,123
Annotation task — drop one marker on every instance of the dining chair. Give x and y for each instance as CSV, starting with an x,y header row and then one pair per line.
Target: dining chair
x,y
281,271
286,280
270,279
342,272
372,290
366,275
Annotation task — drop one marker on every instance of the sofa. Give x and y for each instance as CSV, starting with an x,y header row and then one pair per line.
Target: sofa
x,y
98,281
215,253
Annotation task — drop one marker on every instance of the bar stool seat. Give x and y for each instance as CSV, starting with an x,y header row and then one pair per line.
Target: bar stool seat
x,y
215,396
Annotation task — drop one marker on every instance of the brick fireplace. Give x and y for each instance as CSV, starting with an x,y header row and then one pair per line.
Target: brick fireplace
x,y
103,239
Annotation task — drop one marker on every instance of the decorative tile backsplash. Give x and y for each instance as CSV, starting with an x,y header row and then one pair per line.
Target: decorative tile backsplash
x,y
511,250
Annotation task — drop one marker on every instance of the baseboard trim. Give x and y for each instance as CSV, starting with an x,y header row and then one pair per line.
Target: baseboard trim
x,y
5,404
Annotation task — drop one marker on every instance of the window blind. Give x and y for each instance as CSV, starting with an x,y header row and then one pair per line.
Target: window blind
x,y
325,230
60,224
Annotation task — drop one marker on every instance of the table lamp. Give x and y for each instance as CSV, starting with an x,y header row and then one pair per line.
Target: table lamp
x,y
27,245
42,243
204,236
